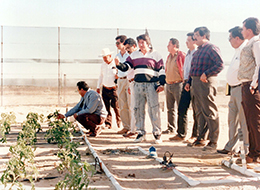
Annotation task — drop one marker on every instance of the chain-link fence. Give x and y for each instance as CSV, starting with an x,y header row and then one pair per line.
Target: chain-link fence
x,y
42,65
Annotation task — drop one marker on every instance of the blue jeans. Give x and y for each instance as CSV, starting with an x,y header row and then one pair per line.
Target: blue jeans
x,y
145,92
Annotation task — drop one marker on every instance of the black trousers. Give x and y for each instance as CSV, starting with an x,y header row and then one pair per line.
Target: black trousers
x,y
110,98
251,106
182,114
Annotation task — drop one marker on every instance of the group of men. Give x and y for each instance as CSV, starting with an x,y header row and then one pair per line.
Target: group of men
x,y
137,75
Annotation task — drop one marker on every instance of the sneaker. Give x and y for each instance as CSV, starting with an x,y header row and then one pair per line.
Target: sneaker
x,y
140,138
167,131
176,138
158,139
210,146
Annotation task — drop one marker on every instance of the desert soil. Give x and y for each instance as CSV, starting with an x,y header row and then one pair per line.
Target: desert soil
x,y
131,168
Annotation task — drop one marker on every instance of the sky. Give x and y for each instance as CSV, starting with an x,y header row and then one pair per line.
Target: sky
x,y
182,15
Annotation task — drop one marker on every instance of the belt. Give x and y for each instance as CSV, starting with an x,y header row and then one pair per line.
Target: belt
x,y
235,86
122,77
246,83
109,88
174,82
131,80
186,80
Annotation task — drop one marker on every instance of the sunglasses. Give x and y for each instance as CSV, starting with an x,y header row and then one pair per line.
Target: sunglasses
x,y
117,43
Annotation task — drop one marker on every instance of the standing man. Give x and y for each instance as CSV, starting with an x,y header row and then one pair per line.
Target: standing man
x,y
130,47
236,116
149,79
109,94
205,66
186,95
174,79
90,111
248,75
123,84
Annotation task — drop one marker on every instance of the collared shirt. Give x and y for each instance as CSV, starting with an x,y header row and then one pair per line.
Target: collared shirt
x,y
107,74
206,60
122,59
172,70
91,103
187,64
232,71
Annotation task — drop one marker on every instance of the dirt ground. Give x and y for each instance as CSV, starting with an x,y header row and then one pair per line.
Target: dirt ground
x,y
132,169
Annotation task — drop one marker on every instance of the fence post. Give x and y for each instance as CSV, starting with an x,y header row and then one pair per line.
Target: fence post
x,y
2,65
59,75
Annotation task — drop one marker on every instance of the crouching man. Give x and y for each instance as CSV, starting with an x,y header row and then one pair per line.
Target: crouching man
x,y
90,111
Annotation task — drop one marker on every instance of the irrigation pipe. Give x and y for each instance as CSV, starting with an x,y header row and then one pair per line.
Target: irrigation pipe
x,y
241,170
104,168
192,182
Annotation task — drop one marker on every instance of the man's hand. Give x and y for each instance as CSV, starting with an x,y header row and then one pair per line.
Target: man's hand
x,y
60,116
75,115
98,90
252,89
117,61
187,87
160,89
203,78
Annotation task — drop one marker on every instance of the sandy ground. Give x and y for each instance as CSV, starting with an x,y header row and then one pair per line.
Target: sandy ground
x,y
148,173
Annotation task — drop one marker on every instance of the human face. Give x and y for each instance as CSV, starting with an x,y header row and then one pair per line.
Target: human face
x,y
130,49
198,39
119,45
190,42
245,32
171,47
143,45
107,59
232,40
81,92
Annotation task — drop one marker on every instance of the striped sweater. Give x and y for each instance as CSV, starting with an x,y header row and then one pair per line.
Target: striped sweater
x,y
147,68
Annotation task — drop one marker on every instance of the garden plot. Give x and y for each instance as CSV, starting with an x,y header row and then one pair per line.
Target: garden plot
x,y
47,162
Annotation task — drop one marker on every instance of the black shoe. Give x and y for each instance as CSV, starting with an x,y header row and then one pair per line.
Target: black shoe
x,y
224,151
197,143
167,131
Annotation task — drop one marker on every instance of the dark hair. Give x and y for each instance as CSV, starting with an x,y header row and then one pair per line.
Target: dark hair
x,y
191,34
253,24
175,42
130,42
236,32
121,37
203,31
82,85
146,38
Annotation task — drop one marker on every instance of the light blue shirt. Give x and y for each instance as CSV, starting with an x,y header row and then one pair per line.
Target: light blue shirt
x,y
92,103
187,64
122,59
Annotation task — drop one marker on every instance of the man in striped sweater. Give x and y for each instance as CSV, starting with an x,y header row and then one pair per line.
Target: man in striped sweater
x,y
149,77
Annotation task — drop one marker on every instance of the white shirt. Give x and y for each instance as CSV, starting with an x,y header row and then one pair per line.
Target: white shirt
x,y
187,64
232,71
122,59
256,51
107,74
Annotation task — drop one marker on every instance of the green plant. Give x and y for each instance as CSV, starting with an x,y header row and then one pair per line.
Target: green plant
x,y
59,131
33,119
30,127
20,166
77,177
5,124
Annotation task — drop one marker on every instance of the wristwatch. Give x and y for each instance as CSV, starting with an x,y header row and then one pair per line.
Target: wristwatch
x,y
251,88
